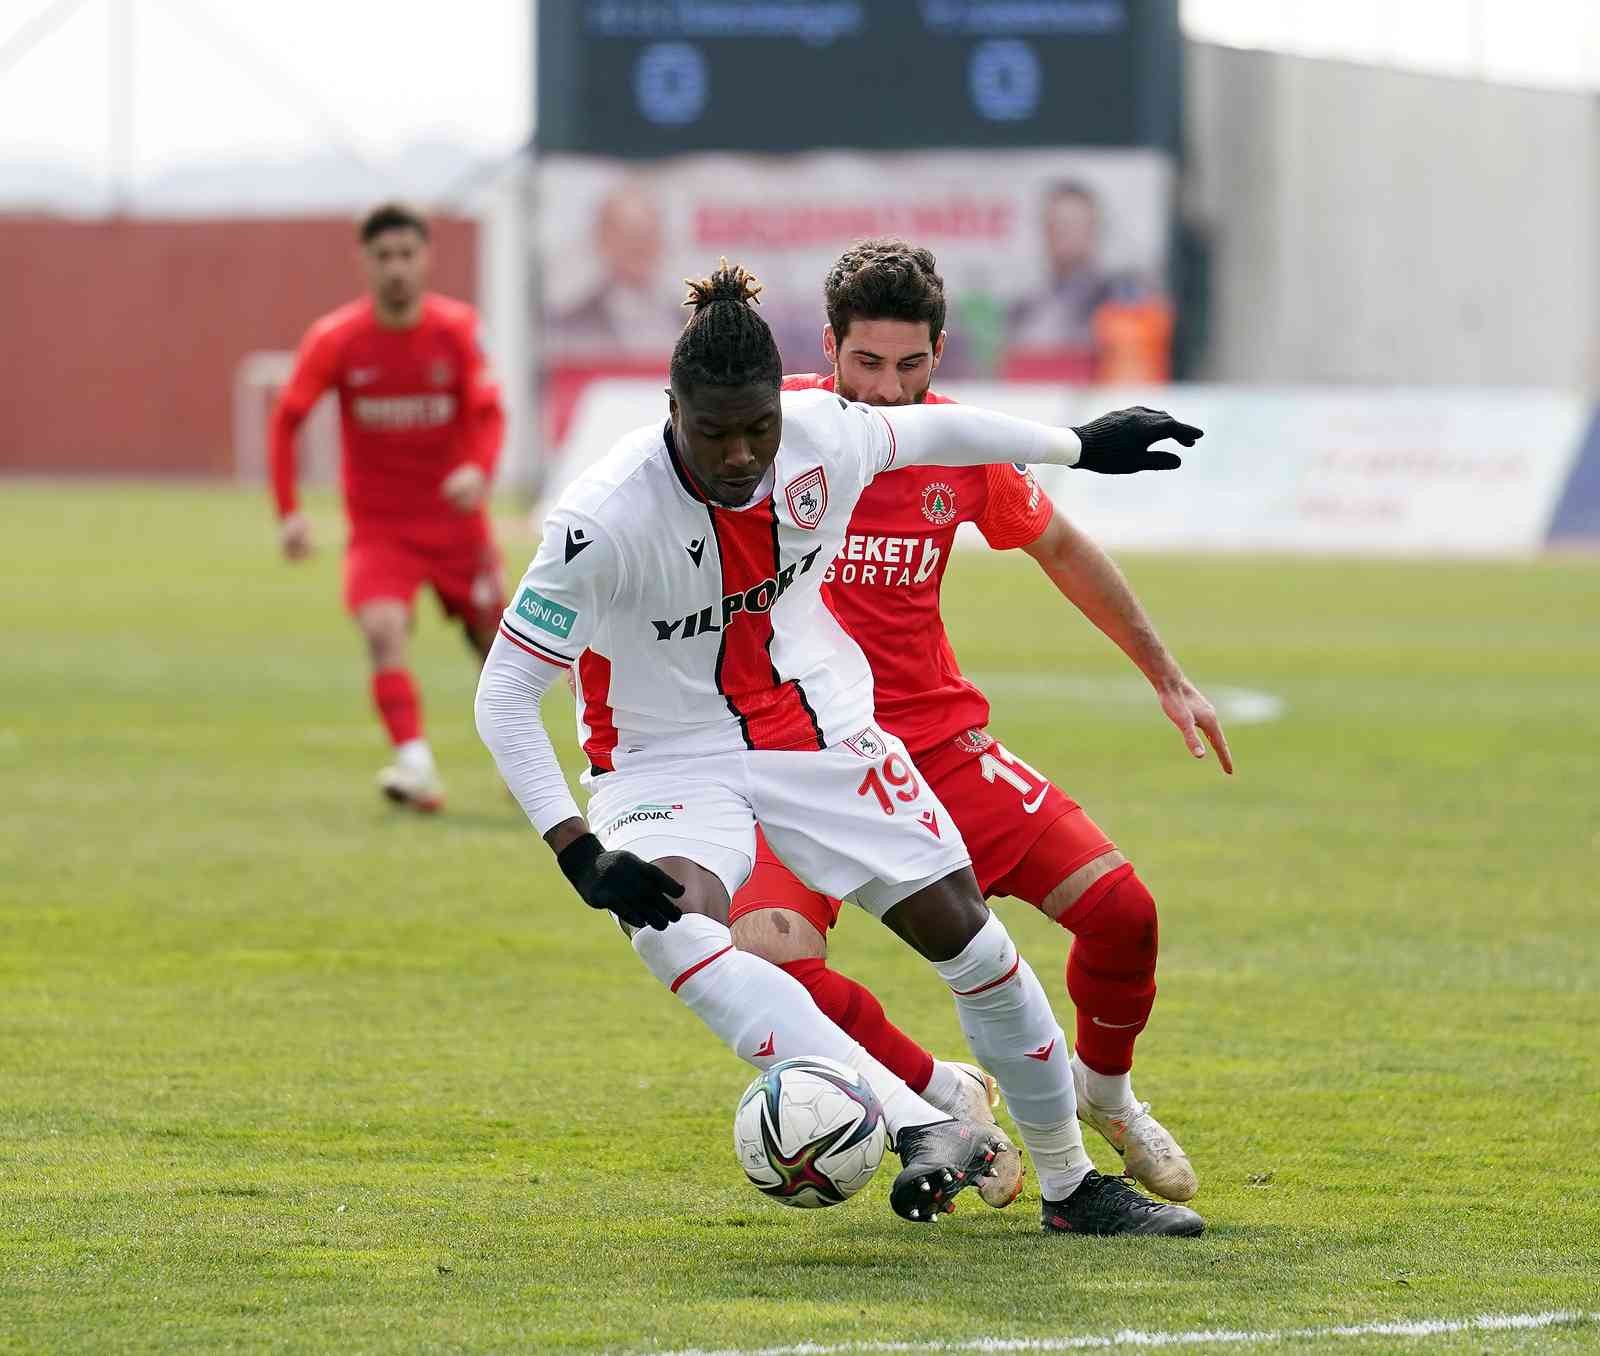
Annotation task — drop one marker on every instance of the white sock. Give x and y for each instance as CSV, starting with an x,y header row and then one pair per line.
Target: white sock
x,y
414,755
946,1086
1109,1093
1009,1024
762,1013
1058,1157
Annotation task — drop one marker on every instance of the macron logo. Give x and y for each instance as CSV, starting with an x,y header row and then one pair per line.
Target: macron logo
x,y
577,540
767,1047
696,549
1042,1054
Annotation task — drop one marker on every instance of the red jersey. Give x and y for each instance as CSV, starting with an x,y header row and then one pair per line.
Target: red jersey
x,y
884,585
414,404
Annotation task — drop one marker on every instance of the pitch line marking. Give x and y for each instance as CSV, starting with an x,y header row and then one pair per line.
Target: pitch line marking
x,y
1131,1338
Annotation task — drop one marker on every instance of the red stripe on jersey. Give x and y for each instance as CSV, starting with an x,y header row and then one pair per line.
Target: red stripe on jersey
x,y
594,683
773,713
523,645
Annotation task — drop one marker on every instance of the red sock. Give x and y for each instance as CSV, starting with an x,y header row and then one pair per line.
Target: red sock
x,y
855,1011
395,696
1111,969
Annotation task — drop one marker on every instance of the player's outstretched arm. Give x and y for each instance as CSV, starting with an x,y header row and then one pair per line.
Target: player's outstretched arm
x,y
1118,443
1089,579
507,711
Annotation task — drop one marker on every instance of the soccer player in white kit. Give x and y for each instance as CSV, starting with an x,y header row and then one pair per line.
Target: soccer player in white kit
x,y
680,580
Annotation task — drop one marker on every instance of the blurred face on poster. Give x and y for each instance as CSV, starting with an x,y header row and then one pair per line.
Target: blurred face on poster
x,y
1071,229
396,264
883,362
628,237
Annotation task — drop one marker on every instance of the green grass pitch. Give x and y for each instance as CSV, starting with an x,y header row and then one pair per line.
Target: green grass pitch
x,y
282,1069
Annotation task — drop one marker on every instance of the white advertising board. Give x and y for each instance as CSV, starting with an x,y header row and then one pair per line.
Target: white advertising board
x,y
1326,470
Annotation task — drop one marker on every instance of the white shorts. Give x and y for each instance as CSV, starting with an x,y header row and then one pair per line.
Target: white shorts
x,y
854,821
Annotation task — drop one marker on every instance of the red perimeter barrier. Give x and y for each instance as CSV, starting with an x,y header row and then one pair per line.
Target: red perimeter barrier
x,y
119,339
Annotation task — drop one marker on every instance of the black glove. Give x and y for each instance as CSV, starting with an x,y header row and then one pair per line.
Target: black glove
x,y
1118,444
640,893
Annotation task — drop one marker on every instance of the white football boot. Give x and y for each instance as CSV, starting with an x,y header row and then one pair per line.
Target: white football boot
x,y
1002,1184
1149,1152
418,788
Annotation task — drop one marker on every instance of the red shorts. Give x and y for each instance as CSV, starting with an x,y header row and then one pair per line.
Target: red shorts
x,y
1025,835
463,569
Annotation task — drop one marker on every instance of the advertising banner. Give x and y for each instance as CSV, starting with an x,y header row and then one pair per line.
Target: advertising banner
x,y
1389,471
1054,261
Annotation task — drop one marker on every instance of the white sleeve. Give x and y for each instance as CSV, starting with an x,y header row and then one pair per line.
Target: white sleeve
x,y
550,621
574,574
964,435
509,691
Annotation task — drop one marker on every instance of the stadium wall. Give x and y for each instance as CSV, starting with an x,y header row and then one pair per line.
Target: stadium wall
x,y
1378,226
119,338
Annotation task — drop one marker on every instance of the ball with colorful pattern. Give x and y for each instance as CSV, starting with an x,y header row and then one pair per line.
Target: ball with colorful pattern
x,y
809,1132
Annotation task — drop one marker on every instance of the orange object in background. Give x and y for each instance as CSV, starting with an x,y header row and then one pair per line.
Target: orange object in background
x,y
1133,341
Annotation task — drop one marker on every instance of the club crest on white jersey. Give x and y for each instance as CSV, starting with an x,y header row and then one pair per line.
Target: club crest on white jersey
x,y
807,497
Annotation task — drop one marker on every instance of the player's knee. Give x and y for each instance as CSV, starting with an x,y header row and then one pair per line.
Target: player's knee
x,y
675,954
939,920
704,894
384,628
1120,914
1075,895
780,936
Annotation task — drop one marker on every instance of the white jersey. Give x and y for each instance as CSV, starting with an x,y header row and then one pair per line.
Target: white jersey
x,y
692,629
699,629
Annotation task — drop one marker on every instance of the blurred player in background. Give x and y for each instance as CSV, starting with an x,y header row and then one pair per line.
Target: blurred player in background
x,y
885,333
421,426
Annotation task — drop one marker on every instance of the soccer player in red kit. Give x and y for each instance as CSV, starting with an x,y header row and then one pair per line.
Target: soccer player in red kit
x,y
421,425
885,305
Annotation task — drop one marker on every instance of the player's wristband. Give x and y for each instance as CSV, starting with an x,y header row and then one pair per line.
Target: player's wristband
x,y
577,860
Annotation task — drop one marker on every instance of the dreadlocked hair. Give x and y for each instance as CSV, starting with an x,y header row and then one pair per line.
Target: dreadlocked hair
x,y
885,279
725,343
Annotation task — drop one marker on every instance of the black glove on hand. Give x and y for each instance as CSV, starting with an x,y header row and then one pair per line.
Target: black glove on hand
x,y
640,893
1118,444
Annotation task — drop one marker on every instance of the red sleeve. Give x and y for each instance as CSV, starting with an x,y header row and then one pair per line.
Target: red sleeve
x,y
314,369
1017,510
483,416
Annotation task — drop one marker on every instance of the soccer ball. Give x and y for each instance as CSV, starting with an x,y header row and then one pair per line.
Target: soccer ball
x,y
809,1132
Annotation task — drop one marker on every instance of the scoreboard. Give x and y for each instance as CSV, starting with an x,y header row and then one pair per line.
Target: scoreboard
x,y
645,78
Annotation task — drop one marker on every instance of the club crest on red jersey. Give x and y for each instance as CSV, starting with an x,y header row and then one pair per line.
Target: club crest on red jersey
x,y
807,496
939,503
973,741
